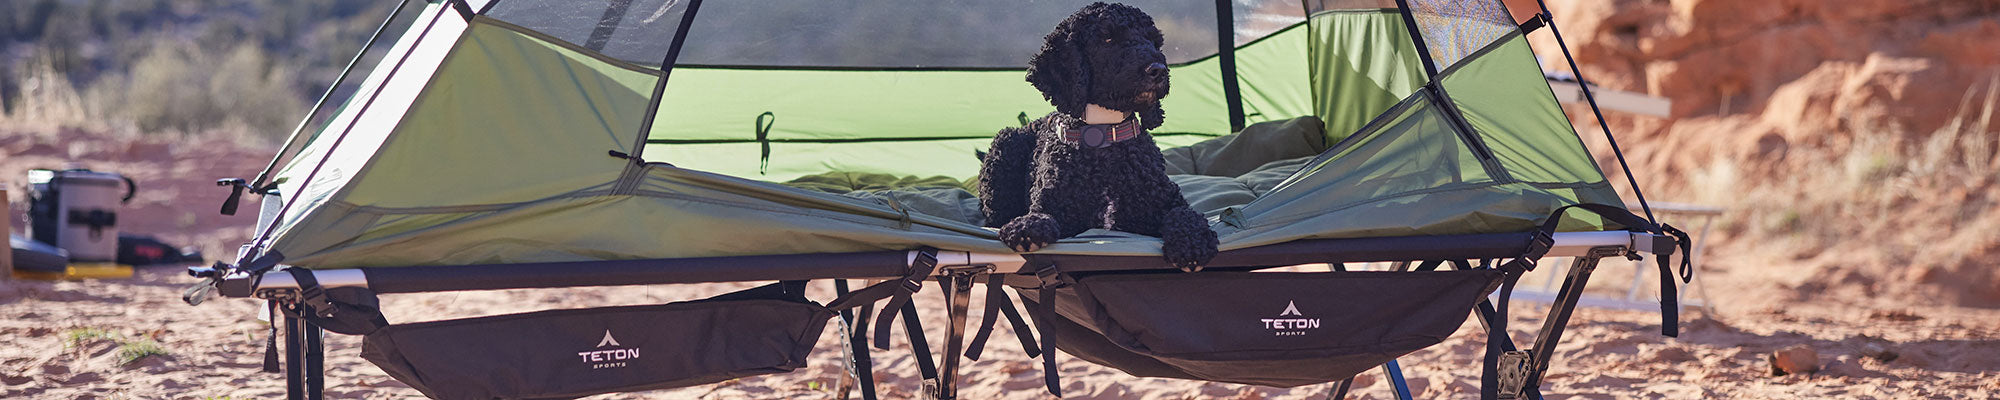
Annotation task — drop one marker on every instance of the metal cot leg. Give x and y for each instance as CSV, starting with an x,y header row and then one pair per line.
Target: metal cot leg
x,y
1395,373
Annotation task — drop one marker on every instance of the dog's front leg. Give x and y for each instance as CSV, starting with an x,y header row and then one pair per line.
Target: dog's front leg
x,y
1187,241
1060,204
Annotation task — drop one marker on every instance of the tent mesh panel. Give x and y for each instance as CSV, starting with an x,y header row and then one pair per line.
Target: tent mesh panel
x,y
875,34
636,31
1454,29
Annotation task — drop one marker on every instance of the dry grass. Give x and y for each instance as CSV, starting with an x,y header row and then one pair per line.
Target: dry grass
x,y
175,89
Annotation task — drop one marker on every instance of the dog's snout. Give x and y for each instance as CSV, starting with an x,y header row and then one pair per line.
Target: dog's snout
x,y
1156,70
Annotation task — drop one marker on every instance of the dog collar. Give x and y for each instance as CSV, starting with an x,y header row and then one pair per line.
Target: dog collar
x,y
1103,135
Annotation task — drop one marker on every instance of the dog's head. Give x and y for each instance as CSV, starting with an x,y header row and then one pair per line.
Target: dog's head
x,y
1105,54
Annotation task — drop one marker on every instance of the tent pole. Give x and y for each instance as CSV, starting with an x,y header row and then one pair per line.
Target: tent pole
x,y
1417,37
634,165
1225,47
1584,84
292,140
262,238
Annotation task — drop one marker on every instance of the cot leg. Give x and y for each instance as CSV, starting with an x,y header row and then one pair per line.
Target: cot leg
x,y
1395,373
860,367
294,356
1340,389
957,285
304,356
315,364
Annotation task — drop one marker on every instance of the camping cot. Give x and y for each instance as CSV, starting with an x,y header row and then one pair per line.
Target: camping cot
x,y
543,143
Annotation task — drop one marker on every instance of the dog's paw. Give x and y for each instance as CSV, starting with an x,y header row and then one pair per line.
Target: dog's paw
x,y
1029,232
1188,242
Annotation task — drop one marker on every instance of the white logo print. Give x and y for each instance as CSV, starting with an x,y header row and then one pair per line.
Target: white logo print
x,y
1290,326
615,357
1290,309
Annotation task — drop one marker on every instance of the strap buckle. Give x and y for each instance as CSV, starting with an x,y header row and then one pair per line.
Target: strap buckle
x,y
1541,243
1051,277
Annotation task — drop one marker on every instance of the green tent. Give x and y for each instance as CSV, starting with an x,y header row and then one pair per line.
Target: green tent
x,y
547,143
481,136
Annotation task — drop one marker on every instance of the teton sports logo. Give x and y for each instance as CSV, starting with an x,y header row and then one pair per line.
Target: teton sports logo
x,y
614,357
1297,326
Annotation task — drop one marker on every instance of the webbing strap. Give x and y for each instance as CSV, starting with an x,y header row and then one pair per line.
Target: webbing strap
x,y
901,290
1497,342
999,304
1669,296
312,296
1670,320
271,340
1045,313
914,330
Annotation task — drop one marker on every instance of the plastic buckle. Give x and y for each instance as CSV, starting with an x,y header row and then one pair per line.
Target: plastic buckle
x,y
314,298
1513,373
1051,277
1541,243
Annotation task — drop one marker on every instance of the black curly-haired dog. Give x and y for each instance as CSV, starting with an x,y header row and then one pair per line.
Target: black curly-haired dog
x,y
1059,176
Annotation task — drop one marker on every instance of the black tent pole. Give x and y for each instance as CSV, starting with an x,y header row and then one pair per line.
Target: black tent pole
x,y
323,97
1417,38
634,164
1225,48
1584,84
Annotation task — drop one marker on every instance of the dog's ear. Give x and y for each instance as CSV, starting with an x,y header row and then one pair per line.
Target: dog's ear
x,y
1151,117
1059,72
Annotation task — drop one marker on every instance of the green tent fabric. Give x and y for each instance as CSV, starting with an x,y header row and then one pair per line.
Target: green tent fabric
x,y
483,141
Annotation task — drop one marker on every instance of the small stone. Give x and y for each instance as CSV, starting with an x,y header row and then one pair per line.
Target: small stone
x,y
1879,352
1799,359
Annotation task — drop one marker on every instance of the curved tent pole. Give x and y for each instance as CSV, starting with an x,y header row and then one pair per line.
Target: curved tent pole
x,y
1417,38
1584,84
262,238
1225,48
291,141
634,165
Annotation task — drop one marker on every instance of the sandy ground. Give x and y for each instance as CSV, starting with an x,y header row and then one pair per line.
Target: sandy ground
x,y
66,340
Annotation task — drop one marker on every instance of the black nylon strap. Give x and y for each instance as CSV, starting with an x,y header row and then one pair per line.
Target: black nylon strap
x,y
1532,24
898,291
763,129
914,329
271,340
1669,295
997,302
312,297
1045,314
1497,340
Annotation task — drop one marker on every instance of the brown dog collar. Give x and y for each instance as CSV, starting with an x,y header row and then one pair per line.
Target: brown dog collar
x,y
1103,135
